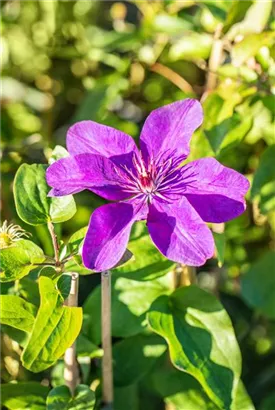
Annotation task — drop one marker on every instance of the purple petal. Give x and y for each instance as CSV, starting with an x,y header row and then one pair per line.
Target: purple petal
x,y
87,171
169,129
108,234
216,192
179,233
91,137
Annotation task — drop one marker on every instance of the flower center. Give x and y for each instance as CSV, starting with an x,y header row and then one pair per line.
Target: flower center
x,y
146,182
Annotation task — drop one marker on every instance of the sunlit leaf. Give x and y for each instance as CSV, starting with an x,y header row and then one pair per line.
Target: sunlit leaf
x,y
24,395
55,328
199,332
32,203
19,259
17,312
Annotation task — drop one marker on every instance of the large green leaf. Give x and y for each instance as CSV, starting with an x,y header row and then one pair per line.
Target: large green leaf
x,y
32,203
181,390
60,398
130,301
258,285
19,259
16,312
201,340
55,329
27,396
263,186
145,350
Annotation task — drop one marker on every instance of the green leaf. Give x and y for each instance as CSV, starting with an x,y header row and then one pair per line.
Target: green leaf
x,y
223,128
32,203
164,23
57,153
60,398
127,398
201,340
268,403
181,390
84,347
219,239
62,208
258,285
249,47
263,186
255,20
130,301
145,350
191,47
147,264
16,312
19,259
27,396
28,290
236,13
55,329
64,285
30,194
76,240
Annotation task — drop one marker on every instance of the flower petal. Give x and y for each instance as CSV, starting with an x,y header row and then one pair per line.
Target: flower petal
x,y
216,192
168,129
87,171
108,234
179,233
91,137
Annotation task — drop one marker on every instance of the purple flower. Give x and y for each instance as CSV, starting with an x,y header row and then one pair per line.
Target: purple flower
x,y
149,184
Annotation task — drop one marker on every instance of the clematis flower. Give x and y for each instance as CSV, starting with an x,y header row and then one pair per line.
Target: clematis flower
x,y
149,184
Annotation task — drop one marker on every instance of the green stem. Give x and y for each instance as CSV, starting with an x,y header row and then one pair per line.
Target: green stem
x,y
55,243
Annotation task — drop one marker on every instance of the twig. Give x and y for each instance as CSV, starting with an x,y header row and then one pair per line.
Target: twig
x,y
214,62
172,76
55,242
71,373
107,365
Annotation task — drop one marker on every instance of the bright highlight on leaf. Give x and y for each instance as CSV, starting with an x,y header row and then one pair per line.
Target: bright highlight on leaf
x,y
55,328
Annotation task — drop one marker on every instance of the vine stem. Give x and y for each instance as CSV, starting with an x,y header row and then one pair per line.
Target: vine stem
x,y
71,373
55,242
106,334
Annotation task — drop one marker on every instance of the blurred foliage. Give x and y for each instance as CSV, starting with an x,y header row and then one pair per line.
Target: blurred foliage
x,y
113,62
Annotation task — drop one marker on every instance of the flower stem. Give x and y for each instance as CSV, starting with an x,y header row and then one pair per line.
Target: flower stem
x,y
55,242
71,373
107,365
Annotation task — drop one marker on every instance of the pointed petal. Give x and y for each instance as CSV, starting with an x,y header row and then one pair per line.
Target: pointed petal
x,y
216,192
169,129
91,137
179,233
108,234
87,171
